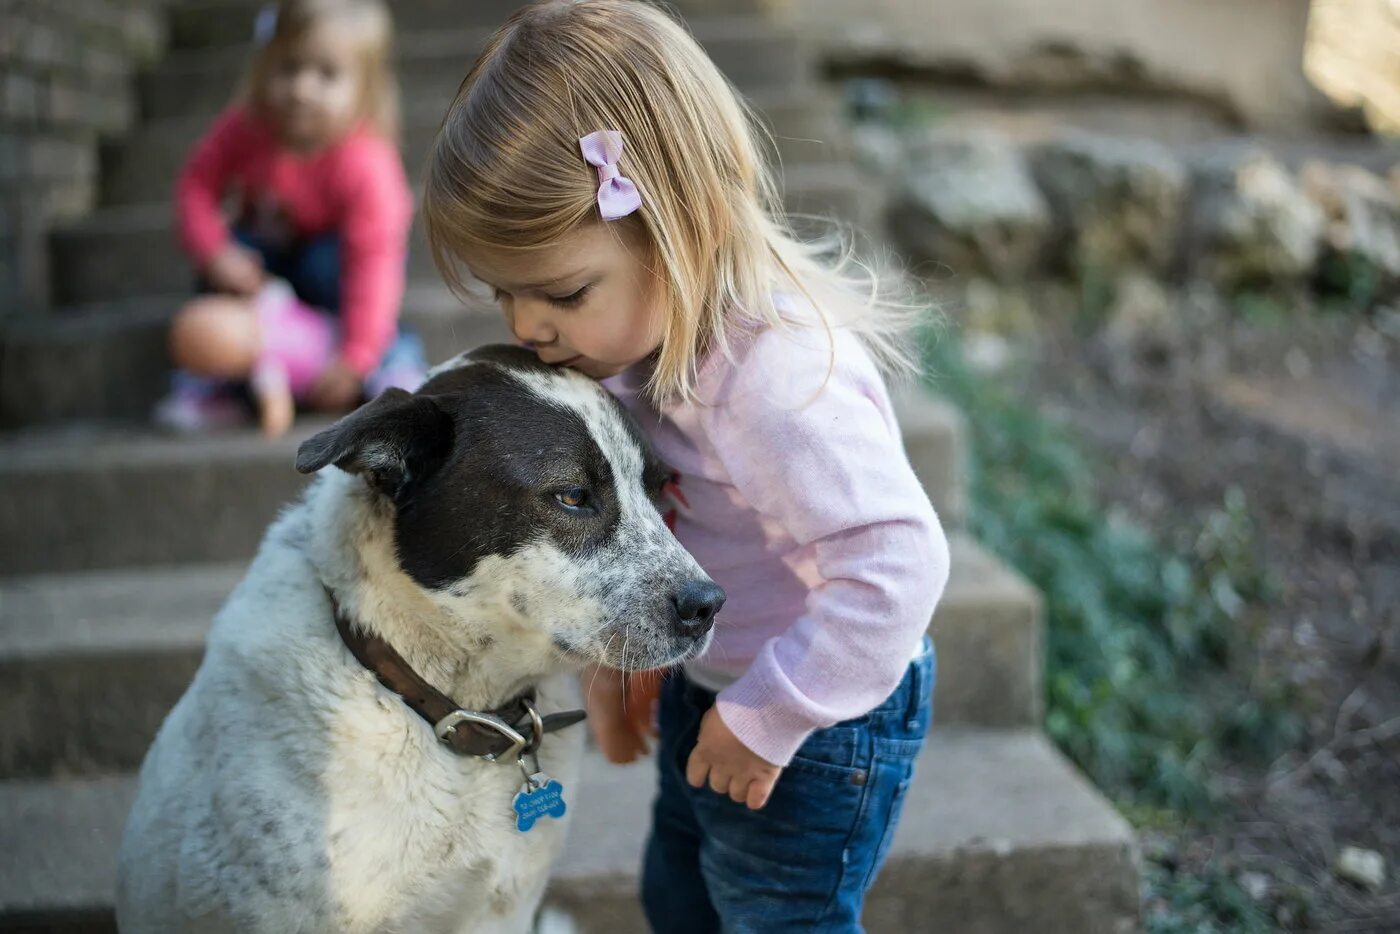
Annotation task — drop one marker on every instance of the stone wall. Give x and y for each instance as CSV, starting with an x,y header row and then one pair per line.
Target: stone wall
x,y
66,69
1243,56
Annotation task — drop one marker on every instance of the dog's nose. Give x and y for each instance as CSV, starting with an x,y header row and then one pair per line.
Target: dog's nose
x,y
696,606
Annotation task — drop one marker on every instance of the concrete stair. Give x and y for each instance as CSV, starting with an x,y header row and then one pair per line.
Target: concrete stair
x,y
999,834
803,119
130,250
93,661
84,497
208,24
119,275
750,50
109,360
118,545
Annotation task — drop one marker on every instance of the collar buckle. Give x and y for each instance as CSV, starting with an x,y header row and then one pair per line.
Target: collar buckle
x,y
448,724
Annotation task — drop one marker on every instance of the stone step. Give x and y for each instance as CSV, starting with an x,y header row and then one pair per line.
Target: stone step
x,y
130,251
999,835
222,23
432,62
109,361
93,661
210,24
86,497
805,123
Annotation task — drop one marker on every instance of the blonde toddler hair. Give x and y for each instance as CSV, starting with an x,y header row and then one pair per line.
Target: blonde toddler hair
x,y
505,174
372,30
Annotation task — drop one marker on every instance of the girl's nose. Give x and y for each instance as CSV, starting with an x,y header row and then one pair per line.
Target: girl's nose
x,y
304,84
530,326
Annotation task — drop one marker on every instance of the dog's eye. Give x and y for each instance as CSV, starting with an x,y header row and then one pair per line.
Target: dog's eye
x,y
577,498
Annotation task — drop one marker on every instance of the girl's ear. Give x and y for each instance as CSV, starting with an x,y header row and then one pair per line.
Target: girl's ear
x,y
391,442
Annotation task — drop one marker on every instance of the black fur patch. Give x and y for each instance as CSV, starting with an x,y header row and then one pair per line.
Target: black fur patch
x,y
513,452
473,463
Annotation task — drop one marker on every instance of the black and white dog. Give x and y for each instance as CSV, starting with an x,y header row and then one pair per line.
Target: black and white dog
x,y
488,535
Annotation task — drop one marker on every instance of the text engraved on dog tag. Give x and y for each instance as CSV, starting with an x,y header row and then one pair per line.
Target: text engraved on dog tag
x,y
540,796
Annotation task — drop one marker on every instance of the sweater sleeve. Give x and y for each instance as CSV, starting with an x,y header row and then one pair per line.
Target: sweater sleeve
x,y
201,184
377,211
832,471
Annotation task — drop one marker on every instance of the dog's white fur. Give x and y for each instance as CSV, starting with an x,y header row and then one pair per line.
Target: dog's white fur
x,y
289,791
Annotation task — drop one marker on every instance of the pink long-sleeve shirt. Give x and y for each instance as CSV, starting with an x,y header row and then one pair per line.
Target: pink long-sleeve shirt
x,y
356,188
798,500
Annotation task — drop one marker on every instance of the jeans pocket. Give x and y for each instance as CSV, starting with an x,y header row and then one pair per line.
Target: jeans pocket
x,y
834,753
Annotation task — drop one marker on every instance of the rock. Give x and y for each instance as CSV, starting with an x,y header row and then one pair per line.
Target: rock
x,y
1350,56
1117,203
871,98
1143,326
989,308
877,148
967,201
1251,222
987,353
1239,59
1365,868
1256,885
1362,228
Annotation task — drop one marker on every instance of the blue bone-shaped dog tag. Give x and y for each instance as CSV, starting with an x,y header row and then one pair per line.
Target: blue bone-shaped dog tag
x,y
533,803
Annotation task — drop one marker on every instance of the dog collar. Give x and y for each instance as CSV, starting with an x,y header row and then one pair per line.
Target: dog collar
x,y
504,733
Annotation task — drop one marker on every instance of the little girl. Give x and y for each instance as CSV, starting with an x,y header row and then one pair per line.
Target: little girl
x,y
308,282
601,177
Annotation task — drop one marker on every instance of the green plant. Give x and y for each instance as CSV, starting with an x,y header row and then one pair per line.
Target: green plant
x,y
1142,639
1207,900
1352,282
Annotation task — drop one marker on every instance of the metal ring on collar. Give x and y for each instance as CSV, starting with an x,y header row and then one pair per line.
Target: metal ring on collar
x,y
536,726
444,727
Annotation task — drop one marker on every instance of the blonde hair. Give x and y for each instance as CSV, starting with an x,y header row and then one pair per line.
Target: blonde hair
x,y
505,174
369,22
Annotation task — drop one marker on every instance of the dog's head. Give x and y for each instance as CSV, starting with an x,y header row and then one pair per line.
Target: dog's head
x,y
528,490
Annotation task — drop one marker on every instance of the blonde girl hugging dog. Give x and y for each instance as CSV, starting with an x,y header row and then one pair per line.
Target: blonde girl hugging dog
x,y
305,280
599,176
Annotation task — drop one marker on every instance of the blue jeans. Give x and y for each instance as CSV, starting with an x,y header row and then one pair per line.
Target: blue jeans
x,y
805,860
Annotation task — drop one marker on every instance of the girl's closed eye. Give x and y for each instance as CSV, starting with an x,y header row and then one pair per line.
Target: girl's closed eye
x,y
573,299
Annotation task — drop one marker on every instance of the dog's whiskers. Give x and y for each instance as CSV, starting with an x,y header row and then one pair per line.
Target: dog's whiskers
x,y
606,646
626,636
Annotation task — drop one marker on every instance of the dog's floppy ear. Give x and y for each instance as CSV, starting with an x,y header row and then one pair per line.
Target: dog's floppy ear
x,y
397,438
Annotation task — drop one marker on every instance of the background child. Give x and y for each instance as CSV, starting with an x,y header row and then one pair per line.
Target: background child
x,y
309,280
600,176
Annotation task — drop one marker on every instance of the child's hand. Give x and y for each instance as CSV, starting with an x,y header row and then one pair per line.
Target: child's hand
x,y
614,726
732,768
235,269
336,389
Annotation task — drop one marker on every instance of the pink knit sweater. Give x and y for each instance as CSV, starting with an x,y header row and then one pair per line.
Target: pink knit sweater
x,y
799,501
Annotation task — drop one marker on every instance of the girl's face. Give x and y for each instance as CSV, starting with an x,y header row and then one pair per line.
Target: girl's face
x,y
587,302
314,88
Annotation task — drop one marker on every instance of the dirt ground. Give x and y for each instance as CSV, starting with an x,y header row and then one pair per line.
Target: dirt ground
x,y
1303,414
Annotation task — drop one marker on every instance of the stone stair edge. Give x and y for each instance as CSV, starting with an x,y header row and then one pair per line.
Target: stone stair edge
x,y
441,42
58,613
159,215
95,660
1003,797
803,120
72,446
418,115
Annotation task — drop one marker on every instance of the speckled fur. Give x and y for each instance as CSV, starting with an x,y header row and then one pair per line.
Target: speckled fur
x,y
289,791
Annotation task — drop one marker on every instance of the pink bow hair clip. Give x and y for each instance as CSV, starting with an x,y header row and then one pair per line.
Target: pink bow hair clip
x,y
617,196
